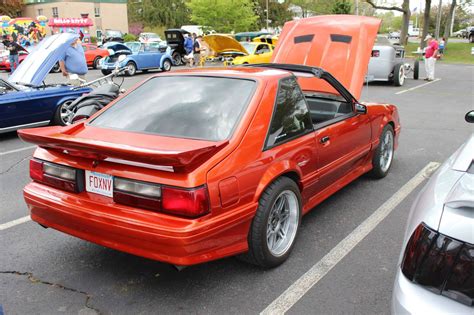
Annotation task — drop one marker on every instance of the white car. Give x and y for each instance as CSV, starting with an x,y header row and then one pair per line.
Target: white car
x,y
149,38
436,274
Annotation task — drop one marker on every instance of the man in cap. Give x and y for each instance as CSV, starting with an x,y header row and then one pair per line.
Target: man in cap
x,y
431,53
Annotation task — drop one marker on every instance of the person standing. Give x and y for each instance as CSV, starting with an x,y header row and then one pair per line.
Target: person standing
x,y
430,57
188,47
73,61
442,45
13,49
197,49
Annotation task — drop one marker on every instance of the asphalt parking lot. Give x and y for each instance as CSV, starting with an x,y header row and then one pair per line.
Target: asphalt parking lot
x,y
43,271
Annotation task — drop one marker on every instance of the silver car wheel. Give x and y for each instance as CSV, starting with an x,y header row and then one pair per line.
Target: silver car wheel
x,y
65,114
282,223
386,151
401,75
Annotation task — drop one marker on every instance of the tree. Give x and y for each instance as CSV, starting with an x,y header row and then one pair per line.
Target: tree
x,y
278,13
152,13
313,7
426,23
341,7
12,8
224,15
405,9
449,22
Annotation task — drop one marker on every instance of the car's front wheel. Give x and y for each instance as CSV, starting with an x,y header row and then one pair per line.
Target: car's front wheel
x,y
56,68
275,225
105,72
95,63
176,58
383,155
416,70
62,114
131,68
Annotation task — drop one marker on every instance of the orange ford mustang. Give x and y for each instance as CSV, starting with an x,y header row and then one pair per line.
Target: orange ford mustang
x,y
192,166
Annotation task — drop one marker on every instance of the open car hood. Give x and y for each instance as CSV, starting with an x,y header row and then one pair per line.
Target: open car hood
x,y
340,44
42,58
224,44
118,48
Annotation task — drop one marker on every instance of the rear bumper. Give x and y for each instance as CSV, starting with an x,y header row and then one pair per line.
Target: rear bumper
x,y
143,233
410,298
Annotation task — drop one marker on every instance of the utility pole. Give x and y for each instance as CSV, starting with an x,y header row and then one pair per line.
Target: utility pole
x,y
356,10
438,19
267,15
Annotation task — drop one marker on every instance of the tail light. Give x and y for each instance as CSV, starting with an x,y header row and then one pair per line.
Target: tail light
x,y
56,175
191,203
441,264
375,53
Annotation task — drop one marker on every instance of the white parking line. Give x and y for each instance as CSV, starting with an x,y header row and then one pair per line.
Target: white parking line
x,y
13,223
418,86
299,288
17,150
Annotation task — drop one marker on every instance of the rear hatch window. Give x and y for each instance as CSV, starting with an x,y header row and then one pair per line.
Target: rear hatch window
x,y
196,107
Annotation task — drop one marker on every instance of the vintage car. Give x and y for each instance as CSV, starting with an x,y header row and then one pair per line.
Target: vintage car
x,y
140,57
387,63
113,36
196,165
436,265
94,54
238,53
249,36
25,100
175,40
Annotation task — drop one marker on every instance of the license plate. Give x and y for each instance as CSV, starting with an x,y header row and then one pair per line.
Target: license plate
x,y
99,183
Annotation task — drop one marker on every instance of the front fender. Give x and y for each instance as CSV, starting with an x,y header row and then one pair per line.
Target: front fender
x,y
380,116
164,57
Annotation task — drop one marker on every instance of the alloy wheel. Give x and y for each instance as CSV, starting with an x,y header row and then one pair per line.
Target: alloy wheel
x,y
386,151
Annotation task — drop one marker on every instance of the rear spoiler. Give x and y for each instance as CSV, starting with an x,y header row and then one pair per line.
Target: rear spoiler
x,y
56,139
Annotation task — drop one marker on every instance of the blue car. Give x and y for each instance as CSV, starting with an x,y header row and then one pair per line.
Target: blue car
x,y
25,100
140,57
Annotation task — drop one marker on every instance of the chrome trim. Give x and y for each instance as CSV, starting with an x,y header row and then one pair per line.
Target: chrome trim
x,y
13,128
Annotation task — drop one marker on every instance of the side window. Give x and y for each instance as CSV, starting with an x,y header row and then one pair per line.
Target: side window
x,y
291,116
262,49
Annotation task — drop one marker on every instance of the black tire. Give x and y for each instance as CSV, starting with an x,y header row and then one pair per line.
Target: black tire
x,y
416,70
105,72
56,68
58,119
259,253
378,170
131,69
95,63
177,58
399,74
471,38
166,65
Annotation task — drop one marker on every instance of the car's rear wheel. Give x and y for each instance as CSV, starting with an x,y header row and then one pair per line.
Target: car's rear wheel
x,y
177,58
56,68
105,72
61,116
416,70
383,155
399,74
131,68
95,63
166,65
471,38
275,225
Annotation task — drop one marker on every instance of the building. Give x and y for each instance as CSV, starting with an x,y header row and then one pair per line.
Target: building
x,y
101,14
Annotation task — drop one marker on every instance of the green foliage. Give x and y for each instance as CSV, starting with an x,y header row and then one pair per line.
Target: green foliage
x,y
129,38
390,22
341,7
224,15
169,13
93,39
278,13
314,7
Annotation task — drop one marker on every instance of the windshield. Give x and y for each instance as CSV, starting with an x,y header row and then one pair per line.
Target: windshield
x,y
249,47
134,47
195,107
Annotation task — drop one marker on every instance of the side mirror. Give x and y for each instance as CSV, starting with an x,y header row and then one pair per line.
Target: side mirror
x,y
469,116
360,109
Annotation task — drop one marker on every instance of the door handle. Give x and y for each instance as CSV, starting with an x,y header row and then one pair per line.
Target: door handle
x,y
324,139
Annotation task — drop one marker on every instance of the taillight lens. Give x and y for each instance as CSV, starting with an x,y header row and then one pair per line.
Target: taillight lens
x,y
375,53
190,203
441,264
56,175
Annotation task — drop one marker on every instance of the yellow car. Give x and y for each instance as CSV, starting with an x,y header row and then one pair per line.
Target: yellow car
x,y
258,51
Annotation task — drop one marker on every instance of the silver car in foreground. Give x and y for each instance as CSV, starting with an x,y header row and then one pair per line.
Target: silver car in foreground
x,y
436,274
